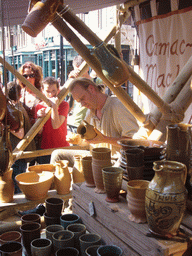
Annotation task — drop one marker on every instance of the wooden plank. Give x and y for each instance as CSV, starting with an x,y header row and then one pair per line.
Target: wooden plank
x,y
20,203
93,226
115,217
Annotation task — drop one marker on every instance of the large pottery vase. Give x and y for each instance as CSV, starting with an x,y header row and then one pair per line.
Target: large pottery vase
x,y
165,200
62,178
101,157
112,179
6,187
77,172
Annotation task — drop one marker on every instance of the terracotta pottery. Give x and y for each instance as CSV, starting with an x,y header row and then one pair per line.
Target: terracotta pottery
x,y
39,168
86,130
112,67
51,220
77,172
111,250
101,157
10,236
11,249
6,187
41,247
62,178
136,190
166,196
112,180
87,171
29,182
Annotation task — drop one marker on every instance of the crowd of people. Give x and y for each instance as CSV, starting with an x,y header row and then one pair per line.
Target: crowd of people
x,y
86,101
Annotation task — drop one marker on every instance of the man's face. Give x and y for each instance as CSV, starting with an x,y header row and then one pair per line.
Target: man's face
x,y
50,91
85,97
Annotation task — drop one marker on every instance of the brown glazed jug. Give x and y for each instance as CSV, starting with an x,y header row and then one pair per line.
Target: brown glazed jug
x,y
62,178
6,187
166,196
179,148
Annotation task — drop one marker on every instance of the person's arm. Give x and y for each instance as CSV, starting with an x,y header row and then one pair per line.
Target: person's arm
x,y
101,138
56,119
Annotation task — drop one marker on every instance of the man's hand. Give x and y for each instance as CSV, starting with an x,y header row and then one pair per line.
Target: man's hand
x,y
41,112
100,138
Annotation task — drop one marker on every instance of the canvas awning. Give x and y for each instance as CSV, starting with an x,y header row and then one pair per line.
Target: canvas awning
x,y
15,11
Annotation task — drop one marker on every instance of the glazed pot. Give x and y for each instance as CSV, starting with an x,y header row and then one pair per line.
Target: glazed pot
x,y
86,130
136,190
111,250
6,187
112,180
166,196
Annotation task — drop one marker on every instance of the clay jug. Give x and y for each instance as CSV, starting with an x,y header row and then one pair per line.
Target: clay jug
x,y
166,196
112,67
62,178
86,130
179,148
6,187
77,172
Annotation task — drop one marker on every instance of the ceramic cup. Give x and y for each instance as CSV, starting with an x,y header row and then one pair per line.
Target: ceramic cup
x,y
41,247
52,229
10,236
68,251
29,231
78,229
87,240
69,218
62,239
51,220
54,206
11,249
31,217
111,250
92,250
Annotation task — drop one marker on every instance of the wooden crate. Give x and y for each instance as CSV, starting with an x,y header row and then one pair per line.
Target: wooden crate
x,y
112,223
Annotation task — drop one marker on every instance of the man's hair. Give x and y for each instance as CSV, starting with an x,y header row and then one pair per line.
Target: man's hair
x,y
77,61
14,91
84,83
50,81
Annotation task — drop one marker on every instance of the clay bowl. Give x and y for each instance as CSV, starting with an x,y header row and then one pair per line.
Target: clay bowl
x,y
151,147
35,185
42,168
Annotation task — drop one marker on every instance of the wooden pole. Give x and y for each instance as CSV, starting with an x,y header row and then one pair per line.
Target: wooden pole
x,y
92,61
39,94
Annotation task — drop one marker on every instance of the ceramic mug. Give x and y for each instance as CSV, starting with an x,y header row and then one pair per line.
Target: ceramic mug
x,y
111,250
62,239
29,231
78,229
49,220
54,206
67,251
11,249
41,247
69,218
31,217
10,236
52,229
92,250
87,240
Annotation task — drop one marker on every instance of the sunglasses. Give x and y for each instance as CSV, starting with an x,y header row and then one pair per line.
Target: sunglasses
x,y
29,76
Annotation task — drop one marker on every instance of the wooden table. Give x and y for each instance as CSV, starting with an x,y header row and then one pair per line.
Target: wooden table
x,y
112,223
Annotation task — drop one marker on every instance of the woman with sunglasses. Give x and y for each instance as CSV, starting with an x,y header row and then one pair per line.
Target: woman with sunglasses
x,y
33,73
